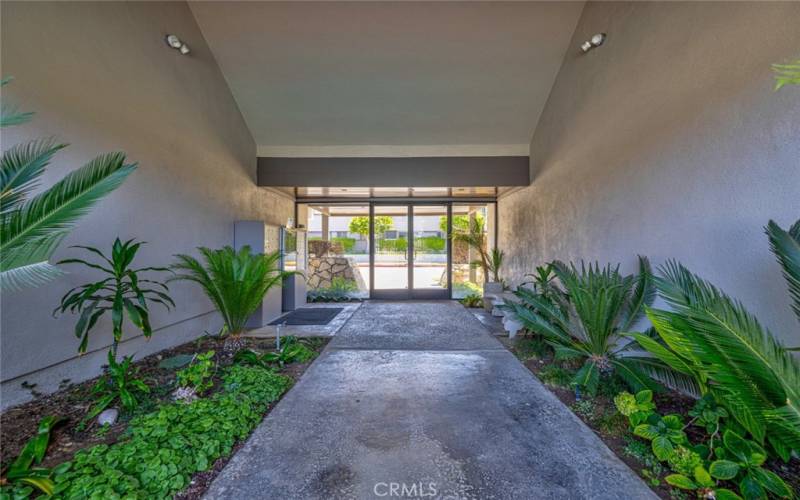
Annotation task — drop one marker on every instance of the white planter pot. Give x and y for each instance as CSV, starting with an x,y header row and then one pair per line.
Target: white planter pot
x,y
492,288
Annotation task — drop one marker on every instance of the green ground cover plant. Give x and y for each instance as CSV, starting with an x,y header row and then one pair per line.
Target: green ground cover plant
x,y
341,290
161,450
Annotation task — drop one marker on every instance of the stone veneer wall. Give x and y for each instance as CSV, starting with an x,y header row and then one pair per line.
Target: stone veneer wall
x,y
322,271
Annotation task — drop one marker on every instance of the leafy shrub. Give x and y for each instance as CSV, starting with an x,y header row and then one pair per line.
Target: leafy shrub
x,y
235,281
556,375
399,245
430,244
472,300
198,374
339,291
161,450
346,244
292,350
531,348
467,288
637,408
119,384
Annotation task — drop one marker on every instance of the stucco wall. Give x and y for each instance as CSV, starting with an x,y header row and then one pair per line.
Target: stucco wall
x,y
100,77
668,141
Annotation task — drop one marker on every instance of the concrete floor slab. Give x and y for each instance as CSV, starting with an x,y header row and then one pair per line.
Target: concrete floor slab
x,y
438,422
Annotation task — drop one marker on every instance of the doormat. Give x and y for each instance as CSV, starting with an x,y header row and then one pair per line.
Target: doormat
x,y
309,316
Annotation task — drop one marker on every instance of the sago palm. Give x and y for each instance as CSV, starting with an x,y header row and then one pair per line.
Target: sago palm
x,y
235,282
31,229
786,247
714,339
587,316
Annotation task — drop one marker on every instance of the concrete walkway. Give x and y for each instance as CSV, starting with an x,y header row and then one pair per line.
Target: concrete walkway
x,y
417,400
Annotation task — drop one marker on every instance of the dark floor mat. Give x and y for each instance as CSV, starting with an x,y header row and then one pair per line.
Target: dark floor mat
x,y
309,316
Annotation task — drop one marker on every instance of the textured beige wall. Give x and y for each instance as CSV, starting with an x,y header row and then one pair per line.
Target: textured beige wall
x,y
668,141
100,77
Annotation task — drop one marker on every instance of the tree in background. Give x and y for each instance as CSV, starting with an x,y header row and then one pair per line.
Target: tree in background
x,y
360,225
460,222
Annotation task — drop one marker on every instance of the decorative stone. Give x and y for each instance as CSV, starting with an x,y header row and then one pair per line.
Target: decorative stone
x,y
108,417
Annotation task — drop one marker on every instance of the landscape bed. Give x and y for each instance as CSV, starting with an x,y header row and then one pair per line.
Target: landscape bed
x,y
239,395
601,415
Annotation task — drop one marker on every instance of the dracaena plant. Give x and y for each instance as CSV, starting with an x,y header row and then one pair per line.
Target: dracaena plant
x,y
730,355
120,385
586,316
235,281
122,292
32,226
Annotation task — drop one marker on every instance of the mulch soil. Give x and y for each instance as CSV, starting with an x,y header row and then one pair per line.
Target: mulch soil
x,y
617,438
72,402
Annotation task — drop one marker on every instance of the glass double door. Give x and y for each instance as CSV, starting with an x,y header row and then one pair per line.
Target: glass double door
x,y
410,251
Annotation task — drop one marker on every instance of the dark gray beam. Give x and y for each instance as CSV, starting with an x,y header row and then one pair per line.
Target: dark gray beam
x,y
445,171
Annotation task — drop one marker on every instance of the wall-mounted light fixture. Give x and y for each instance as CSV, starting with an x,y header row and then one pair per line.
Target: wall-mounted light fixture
x,y
176,43
596,41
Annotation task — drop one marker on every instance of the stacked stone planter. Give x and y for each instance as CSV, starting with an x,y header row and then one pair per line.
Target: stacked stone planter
x,y
322,271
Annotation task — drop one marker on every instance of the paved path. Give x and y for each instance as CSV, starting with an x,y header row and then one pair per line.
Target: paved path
x,y
417,400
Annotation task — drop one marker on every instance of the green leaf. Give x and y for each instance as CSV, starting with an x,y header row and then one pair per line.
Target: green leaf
x,y
751,489
724,469
770,481
588,376
680,481
662,447
725,494
702,477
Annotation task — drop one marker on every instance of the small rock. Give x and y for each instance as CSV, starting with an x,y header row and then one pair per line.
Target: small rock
x,y
108,417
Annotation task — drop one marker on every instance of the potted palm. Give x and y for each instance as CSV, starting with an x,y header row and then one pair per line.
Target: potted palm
x,y
489,261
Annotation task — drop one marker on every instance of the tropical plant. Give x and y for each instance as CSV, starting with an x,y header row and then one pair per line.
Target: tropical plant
x,y
32,227
637,408
120,384
786,74
122,292
786,247
475,237
235,281
198,375
162,449
496,257
291,350
716,341
739,461
472,300
663,432
340,290
593,308
22,477
360,224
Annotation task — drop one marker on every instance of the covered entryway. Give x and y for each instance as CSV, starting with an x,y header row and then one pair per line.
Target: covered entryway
x,y
395,248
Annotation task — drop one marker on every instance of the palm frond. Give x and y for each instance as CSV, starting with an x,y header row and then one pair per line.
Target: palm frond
x,y
786,74
20,169
60,206
29,275
9,114
752,371
643,295
786,247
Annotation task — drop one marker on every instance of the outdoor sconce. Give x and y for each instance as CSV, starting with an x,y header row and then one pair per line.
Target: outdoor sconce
x,y
596,41
176,43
